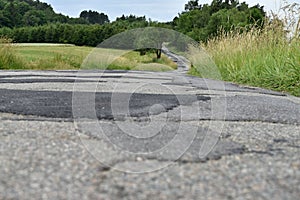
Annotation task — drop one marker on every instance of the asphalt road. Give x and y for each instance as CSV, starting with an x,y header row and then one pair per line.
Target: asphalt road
x,y
75,135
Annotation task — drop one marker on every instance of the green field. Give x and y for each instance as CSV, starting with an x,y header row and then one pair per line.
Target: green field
x,y
65,57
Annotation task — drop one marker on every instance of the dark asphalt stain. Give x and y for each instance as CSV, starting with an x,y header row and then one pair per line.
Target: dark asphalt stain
x,y
8,78
55,104
20,81
56,76
89,71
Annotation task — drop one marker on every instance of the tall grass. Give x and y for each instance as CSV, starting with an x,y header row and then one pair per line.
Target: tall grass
x,y
8,58
268,57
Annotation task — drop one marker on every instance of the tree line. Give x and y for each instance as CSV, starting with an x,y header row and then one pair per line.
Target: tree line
x,y
42,24
21,13
78,34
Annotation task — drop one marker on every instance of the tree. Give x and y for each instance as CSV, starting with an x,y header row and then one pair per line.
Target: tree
x,y
4,20
227,19
202,21
217,5
152,38
256,15
34,18
20,13
192,5
94,17
11,13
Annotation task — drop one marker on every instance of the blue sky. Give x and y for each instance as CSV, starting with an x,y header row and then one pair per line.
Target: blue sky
x,y
159,10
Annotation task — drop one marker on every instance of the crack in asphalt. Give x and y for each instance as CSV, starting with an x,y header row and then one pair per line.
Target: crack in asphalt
x,y
135,119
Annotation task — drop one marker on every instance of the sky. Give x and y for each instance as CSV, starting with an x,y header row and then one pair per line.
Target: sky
x,y
157,10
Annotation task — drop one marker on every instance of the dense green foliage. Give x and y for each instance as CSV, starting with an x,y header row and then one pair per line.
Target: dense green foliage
x,y
93,17
20,13
202,21
78,34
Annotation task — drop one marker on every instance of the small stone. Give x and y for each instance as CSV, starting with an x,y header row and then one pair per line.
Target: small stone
x,y
139,159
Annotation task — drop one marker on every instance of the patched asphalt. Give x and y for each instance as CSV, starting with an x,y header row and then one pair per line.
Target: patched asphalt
x,y
53,146
59,104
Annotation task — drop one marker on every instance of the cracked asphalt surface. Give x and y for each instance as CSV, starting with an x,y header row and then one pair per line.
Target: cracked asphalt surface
x,y
45,146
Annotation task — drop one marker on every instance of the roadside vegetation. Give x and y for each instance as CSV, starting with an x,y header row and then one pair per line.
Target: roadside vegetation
x,y
267,57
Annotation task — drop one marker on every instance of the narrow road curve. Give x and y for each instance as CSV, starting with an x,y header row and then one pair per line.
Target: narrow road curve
x,y
182,63
73,135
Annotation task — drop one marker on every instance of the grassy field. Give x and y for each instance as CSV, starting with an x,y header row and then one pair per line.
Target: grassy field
x,y
63,57
51,57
